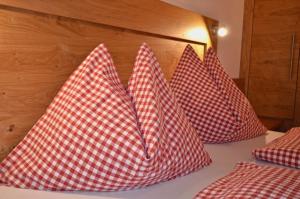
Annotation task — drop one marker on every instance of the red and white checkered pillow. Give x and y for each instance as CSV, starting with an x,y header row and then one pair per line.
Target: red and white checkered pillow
x,y
171,142
89,139
284,150
249,180
208,107
249,125
238,104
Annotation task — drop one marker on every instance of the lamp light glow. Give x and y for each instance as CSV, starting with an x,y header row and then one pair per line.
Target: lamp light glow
x,y
198,34
222,32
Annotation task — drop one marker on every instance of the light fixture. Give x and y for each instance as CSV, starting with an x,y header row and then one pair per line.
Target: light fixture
x,y
219,31
222,32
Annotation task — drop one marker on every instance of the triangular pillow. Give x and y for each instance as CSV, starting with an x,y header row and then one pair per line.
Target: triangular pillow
x,y
201,100
249,125
208,105
89,139
172,145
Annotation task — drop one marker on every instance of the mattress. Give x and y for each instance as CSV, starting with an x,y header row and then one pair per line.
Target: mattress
x,y
224,156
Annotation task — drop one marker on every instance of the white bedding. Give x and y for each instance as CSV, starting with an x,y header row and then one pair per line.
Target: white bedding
x,y
224,157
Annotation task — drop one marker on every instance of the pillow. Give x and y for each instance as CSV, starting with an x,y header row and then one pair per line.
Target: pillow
x,y
207,106
249,125
171,143
201,100
89,139
249,180
284,150
238,104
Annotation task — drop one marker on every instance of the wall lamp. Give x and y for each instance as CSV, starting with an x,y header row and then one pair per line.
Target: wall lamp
x,y
220,31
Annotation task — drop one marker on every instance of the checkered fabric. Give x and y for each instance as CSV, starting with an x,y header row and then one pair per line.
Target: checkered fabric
x,y
171,142
249,125
211,100
201,100
249,180
89,140
284,150
238,104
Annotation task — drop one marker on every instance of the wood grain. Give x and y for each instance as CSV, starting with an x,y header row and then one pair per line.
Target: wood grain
x,y
273,99
240,83
149,16
272,123
271,84
39,48
296,121
246,42
212,25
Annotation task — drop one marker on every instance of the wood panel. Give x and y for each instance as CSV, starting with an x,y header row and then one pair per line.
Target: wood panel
x,y
272,124
272,79
297,62
38,51
246,42
296,121
212,25
149,16
273,99
240,84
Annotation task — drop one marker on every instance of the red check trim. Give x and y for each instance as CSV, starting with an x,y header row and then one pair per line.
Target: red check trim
x,y
284,150
249,180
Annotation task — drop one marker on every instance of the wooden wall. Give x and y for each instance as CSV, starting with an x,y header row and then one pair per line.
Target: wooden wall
x,y
42,42
270,58
246,42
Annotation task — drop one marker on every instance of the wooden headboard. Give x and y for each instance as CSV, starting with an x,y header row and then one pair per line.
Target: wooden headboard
x,y
42,42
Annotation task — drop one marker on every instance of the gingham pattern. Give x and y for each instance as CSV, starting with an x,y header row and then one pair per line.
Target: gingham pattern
x,y
238,104
284,150
89,139
201,100
249,125
215,106
249,180
171,143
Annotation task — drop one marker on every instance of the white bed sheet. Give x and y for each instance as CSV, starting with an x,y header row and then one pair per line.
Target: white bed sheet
x,y
224,157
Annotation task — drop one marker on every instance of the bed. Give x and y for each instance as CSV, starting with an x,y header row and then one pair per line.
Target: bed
x,y
43,43
225,157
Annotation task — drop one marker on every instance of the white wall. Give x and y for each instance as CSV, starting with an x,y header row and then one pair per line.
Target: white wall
x,y
229,13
